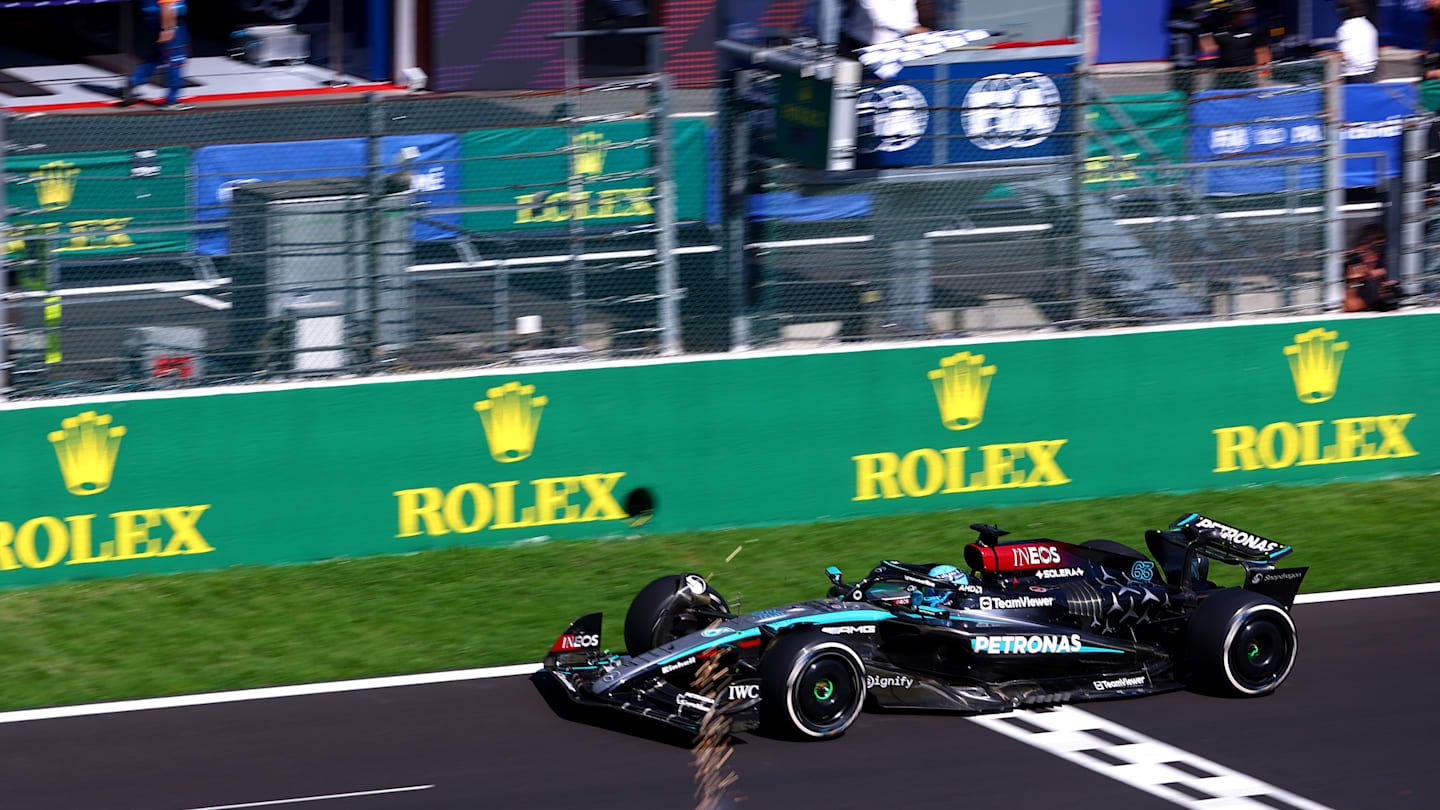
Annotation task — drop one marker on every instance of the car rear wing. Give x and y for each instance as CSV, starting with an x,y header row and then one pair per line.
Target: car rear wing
x,y
1201,536
1226,543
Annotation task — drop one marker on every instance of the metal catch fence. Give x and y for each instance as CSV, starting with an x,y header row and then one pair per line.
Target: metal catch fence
x,y
399,233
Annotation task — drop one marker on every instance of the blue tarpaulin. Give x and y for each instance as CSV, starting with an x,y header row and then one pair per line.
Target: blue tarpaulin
x,y
1289,125
792,206
432,161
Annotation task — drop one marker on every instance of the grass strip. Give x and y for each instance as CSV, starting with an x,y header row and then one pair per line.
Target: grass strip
x,y
261,626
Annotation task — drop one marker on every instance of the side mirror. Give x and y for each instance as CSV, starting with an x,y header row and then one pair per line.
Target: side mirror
x,y
833,573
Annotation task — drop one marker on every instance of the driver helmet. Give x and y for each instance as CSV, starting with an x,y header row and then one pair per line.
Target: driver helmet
x,y
933,597
950,573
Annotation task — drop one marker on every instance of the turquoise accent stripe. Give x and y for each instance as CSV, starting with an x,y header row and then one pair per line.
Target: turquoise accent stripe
x,y
823,618
1100,649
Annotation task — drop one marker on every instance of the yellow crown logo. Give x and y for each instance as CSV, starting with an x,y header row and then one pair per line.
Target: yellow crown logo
x,y
511,417
961,384
86,446
1315,364
55,184
588,154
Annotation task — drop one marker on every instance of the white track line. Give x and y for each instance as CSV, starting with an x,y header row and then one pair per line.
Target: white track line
x,y
265,693
481,673
1367,593
315,798
1142,762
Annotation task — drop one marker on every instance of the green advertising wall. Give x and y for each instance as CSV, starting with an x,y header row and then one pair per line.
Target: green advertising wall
x,y
90,196
96,488
1143,130
611,194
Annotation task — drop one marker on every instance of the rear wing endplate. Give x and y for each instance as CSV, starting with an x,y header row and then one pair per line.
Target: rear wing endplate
x,y
1226,543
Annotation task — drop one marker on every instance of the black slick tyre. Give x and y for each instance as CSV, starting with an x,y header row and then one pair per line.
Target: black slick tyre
x,y
665,610
1239,644
812,686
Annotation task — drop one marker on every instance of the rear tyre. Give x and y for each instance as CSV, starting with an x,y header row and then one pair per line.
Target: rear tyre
x,y
812,687
1240,644
667,609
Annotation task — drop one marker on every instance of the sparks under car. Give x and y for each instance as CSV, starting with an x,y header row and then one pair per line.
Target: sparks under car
x,y
1036,622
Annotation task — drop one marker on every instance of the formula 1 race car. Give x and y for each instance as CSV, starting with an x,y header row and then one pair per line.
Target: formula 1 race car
x,y
1037,622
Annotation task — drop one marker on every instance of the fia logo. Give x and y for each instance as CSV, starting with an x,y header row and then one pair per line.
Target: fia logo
x,y
1011,111
890,119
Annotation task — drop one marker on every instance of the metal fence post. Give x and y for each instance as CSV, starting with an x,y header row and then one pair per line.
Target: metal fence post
x,y
665,217
1412,229
375,232
1334,185
735,162
4,261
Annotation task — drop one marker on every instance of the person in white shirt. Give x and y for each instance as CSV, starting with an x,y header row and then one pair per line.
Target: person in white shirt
x,y
1358,43
871,22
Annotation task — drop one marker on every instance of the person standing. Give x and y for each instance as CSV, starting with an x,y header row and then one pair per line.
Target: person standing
x,y
1358,43
1184,32
1430,58
1239,41
871,22
168,46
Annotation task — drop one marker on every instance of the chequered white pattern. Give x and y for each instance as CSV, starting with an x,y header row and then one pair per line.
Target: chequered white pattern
x,y
887,58
1147,764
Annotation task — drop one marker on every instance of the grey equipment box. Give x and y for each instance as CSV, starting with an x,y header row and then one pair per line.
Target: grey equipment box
x,y
299,244
273,45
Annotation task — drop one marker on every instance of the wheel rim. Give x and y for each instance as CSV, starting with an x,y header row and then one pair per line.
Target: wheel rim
x,y
679,625
824,688
1260,654
826,693
679,621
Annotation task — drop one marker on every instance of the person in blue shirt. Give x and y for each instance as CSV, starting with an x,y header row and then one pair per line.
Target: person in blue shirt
x,y
169,46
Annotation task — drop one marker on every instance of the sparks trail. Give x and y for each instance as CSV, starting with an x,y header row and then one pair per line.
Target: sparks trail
x,y
712,747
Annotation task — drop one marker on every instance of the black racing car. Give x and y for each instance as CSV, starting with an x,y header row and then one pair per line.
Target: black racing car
x,y
1037,622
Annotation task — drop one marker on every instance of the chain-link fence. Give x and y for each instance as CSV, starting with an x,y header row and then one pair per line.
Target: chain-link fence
x,y
1156,204
362,236
384,234
1420,234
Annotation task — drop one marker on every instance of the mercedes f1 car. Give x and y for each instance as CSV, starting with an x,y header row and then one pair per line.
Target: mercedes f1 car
x,y
1036,622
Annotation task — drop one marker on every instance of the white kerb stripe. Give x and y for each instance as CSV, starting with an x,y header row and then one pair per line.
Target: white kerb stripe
x,y
1141,762
322,798
1368,593
265,693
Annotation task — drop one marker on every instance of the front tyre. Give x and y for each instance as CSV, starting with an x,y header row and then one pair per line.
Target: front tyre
x,y
1240,644
812,686
669,608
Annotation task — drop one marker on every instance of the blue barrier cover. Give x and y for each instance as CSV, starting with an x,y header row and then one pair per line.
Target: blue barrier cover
x,y
967,112
792,206
1373,114
1226,130
432,159
1133,31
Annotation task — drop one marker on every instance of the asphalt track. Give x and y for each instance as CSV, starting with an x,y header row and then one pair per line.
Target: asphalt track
x,y
1354,727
